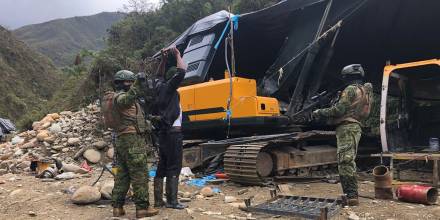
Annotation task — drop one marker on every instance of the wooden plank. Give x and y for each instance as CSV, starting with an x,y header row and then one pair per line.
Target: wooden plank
x,y
410,156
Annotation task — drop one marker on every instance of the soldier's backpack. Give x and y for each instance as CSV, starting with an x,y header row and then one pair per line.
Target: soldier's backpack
x,y
110,116
368,96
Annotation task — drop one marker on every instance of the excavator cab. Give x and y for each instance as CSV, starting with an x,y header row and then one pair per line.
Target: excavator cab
x,y
410,106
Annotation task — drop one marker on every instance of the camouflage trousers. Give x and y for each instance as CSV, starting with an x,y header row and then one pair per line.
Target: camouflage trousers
x,y
131,155
348,136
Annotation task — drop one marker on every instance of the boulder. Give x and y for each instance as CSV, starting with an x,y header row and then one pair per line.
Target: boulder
x,y
66,176
49,139
207,191
69,167
29,144
110,153
55,128
86,195
100,145
106,190
42,135
17,140
54,116
73,141
92,155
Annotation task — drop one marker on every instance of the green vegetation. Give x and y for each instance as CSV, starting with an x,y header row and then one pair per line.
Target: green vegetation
x,y
62,39
28,79
31,85
143,33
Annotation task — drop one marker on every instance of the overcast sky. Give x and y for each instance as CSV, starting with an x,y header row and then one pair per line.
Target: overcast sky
x,y
17,13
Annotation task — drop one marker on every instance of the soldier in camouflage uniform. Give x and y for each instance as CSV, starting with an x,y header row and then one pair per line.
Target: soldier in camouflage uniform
x,y
353,106
130,149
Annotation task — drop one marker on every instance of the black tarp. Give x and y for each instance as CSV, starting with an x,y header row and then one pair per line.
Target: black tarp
x,y
372,32
6,127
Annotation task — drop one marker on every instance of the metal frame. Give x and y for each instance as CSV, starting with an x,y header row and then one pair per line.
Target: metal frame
x,y
389,72
299,206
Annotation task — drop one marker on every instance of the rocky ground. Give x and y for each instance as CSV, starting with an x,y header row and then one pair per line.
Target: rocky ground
x,y
76,137
25,197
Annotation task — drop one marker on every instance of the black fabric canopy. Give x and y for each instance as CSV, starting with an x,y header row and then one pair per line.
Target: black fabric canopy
x,y
372,32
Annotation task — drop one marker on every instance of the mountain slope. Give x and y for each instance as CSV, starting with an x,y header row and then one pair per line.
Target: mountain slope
x,y
28,78
62,39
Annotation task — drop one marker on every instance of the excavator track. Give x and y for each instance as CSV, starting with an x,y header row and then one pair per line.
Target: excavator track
x,y
242,162
254,163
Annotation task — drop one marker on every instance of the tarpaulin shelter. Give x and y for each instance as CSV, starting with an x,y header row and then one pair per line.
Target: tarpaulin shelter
x,y
6,127
297,47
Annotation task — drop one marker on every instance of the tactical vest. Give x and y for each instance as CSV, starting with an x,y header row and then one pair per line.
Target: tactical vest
x,y
360,107
127,120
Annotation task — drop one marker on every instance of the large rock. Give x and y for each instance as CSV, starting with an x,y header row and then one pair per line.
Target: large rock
x,y
73,141
31,144
42,135
69,167
86,195
100,145
55,128
110,153
17,140
106,190
207,191
92,155
66,176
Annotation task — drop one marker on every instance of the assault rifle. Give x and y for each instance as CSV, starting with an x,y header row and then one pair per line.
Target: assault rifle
x,y
317,101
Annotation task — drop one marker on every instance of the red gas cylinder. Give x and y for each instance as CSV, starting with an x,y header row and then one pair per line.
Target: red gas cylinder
x,y
417,194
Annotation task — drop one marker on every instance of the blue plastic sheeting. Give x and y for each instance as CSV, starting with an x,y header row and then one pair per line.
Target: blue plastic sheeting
x,y
200,182
152,173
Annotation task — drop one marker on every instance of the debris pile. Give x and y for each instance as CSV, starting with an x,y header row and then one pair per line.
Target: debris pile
x,y
70,137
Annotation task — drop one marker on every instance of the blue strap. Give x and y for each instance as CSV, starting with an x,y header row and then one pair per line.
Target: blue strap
x,y
234,19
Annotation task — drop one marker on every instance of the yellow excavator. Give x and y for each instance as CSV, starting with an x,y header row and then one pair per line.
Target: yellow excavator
x,y
278,60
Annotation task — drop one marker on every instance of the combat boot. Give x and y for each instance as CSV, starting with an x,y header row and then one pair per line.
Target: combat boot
x,y
171,190
118,212
148,212
158,193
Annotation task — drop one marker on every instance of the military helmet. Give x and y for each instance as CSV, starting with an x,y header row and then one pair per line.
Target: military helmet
x,y
353,69
124,75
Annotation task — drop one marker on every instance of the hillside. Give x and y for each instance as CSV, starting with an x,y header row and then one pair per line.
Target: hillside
x,y
28,78
62,39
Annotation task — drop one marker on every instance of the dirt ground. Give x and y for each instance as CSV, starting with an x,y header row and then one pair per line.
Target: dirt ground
x,y
25,197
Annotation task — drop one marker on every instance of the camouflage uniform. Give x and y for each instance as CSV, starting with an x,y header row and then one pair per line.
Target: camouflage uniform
x,y
353,106
131,151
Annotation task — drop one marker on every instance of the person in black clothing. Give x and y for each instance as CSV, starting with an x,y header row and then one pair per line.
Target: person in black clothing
x,y
170,135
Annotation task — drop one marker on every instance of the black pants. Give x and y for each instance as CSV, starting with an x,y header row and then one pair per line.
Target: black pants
x,y
170,154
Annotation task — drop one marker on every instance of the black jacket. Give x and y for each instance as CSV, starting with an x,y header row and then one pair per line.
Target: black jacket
x,y
168,100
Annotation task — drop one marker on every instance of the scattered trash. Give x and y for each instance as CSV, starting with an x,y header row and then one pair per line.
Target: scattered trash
x,y
86,166
220,175
200,182
382,183
186,171
417,194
